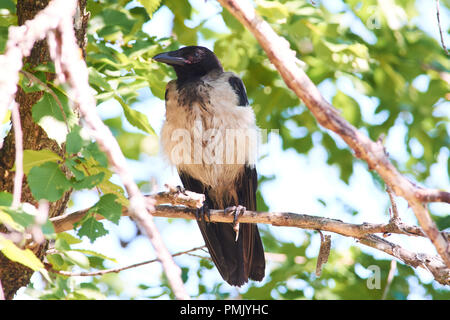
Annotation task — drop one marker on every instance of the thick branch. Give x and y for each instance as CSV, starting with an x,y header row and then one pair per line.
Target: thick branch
x,y
362,232
283,58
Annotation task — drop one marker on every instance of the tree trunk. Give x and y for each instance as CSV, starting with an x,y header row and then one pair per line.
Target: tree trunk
x,y
14,275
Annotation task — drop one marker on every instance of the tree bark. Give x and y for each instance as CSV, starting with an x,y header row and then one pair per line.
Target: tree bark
x,y
14,275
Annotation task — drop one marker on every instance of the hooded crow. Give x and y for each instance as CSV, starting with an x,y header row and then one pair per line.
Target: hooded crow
x,y
209,134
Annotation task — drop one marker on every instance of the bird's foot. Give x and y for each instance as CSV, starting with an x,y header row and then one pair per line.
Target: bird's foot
x,y
180,189
201,212
237,211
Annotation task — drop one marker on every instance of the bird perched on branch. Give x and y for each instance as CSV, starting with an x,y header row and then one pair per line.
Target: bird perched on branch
x,y
210,135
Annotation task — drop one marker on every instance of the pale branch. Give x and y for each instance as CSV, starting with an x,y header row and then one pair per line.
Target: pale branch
x,y
390,277
184,205
433,264
175,197
2,295
438,16
55,23
285,61
70,67
393,210
50,268
18,140
364,233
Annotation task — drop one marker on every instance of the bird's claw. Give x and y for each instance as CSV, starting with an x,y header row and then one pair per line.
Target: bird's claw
x,y
237,211
201,212
181,189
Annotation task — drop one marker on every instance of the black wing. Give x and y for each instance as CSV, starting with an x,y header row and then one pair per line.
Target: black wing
x,y
236,260
239,88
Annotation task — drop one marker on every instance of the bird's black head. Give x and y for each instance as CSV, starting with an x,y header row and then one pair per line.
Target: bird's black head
x,y
190,62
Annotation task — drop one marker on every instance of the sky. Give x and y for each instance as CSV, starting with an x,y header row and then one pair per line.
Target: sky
x,y
299,182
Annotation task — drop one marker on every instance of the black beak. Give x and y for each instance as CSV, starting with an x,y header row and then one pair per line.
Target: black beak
x,y
169,58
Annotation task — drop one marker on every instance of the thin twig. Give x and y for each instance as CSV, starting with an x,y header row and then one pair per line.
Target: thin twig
x,y
199,256
440,28
390,277
394,211
18,139
115,270
2,294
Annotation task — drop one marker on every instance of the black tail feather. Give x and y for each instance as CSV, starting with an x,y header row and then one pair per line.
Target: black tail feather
x,y
237,261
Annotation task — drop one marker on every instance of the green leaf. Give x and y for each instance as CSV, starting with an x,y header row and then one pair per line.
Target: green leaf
x,y
108,207
20,217
131,144
7,220
72,165
110,187
48,114
98,80
88,182
93,151
350,107
92,229
88,294
9,5
6,199
22,256
272,9
61,244
28,85
48,182
34,158
68,238
150,5
56,260
95,254
136,118
74,141
442,222
48,229
77,258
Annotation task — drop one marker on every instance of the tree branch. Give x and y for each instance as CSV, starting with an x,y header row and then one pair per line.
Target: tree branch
x,y
390,277
440,28
285,61
18,139
70,67
49,267
55,23
2,295
364,233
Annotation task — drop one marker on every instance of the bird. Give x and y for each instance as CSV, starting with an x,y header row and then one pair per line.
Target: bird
x,y
207,134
